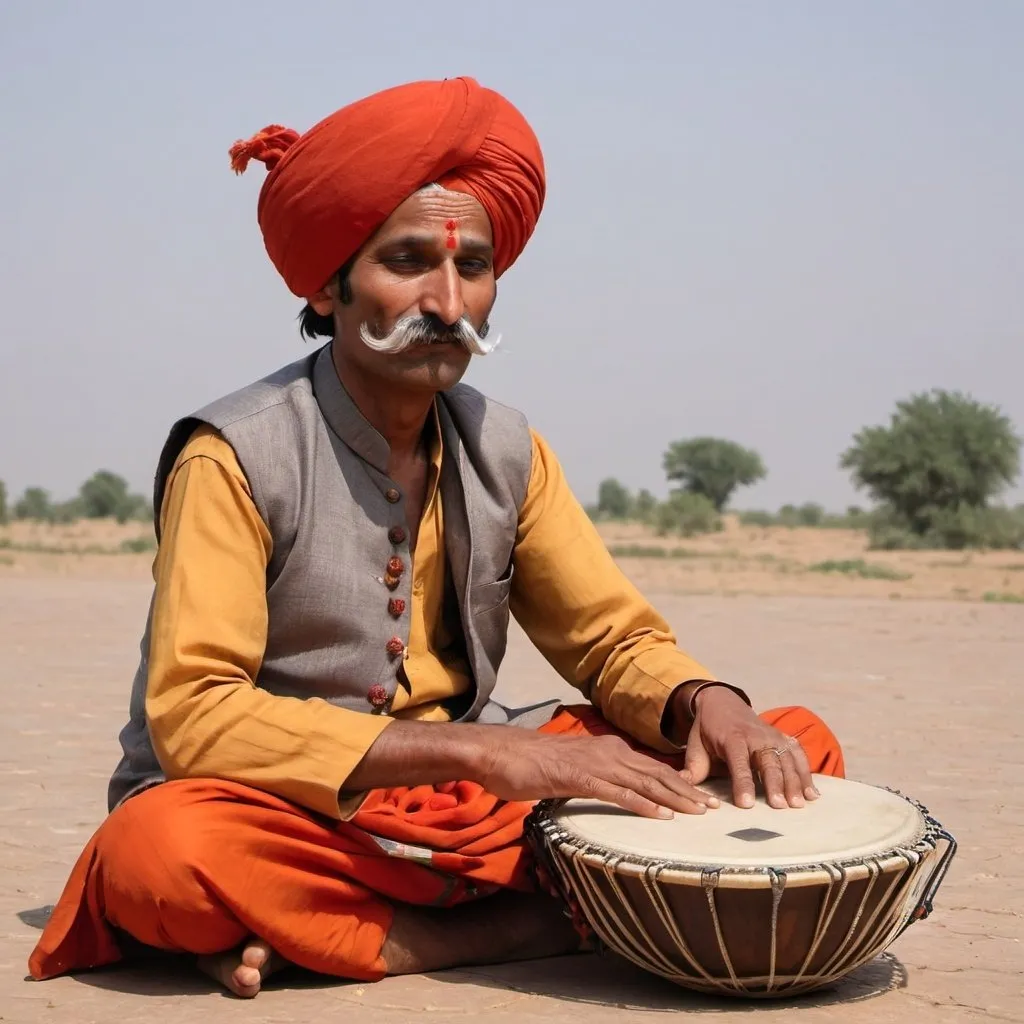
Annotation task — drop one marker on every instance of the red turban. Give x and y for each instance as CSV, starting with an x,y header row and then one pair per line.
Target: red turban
x,y
327,191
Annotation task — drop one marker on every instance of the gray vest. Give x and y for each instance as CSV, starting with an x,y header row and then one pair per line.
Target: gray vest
x,y
318,474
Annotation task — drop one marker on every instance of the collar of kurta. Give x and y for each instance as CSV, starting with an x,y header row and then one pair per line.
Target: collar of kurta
x,y
344,418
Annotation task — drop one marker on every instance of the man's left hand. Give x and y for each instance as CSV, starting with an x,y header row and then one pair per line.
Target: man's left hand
x,y
726,731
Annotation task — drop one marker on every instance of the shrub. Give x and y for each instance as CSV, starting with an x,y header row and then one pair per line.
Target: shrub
x,y
686,515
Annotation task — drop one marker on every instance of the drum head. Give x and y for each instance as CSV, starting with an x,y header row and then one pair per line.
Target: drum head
x,y
848,822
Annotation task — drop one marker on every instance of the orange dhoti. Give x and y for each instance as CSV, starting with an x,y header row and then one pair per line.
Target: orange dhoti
x,y
197,866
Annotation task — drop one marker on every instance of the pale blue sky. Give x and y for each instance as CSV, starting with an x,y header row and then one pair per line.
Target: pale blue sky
x,y
766,221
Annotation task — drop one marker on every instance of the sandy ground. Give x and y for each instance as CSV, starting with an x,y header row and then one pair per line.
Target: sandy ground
x,y
739,560
920,691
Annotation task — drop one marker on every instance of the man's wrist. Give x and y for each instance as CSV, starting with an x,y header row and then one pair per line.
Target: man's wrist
x,y
682,706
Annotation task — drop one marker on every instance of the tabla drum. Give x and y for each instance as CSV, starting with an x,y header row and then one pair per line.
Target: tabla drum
x,y
755,902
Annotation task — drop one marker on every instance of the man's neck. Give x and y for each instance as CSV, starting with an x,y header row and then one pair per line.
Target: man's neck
x,y
399,417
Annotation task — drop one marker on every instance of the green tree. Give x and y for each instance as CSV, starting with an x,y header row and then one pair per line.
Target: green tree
x,y
936,467
3,504
105,495
34,504
644,506
613,499
712,467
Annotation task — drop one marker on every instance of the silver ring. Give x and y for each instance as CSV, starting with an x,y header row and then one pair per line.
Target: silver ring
x,y
791,743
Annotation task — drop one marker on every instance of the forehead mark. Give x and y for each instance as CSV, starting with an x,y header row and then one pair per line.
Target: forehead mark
x,y
450,226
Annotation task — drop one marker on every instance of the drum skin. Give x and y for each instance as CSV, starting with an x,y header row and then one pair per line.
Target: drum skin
x,y
738,929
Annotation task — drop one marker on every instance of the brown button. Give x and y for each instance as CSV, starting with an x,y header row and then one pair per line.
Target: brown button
x,y
396,535
396,606
377,695
395,645
395,566
393,495
391,581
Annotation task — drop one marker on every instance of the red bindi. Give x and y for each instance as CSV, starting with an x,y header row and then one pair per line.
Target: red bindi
x,y
450,241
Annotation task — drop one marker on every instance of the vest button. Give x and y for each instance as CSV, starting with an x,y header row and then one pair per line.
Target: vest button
x,y
395,646
396,535
393,495
391,582
395,566
395,607
377,695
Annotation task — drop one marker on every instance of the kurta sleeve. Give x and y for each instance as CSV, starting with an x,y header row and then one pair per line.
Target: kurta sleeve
x,y
207,717
583,614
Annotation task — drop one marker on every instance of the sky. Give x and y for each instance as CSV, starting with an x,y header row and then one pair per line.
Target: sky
x,y
764,221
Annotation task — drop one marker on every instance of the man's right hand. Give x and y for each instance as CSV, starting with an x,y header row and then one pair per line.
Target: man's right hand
x,y
522,765
519,764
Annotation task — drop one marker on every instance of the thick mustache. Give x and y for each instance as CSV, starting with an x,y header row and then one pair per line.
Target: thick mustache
x,y
426,330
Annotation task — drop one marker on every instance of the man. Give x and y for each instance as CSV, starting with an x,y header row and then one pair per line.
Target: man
x,y
341,547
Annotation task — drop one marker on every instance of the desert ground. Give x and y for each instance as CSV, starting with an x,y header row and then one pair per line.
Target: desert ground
x,y
912,658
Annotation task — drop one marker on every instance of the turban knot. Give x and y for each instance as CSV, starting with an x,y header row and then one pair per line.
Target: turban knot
x,y
329,190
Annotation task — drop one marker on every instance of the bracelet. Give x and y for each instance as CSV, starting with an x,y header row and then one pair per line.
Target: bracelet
x,y
691,706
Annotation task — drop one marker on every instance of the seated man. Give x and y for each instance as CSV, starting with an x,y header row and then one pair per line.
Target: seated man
x,y
315,771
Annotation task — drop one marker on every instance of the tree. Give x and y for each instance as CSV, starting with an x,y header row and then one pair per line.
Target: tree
x,y
644,505
34,504
613,500
942,454
104,495
3,504
712,467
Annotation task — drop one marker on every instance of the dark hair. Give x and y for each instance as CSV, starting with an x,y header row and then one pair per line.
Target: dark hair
x,y
311,323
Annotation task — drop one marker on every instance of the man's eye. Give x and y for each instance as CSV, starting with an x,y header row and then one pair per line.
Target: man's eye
x,y
474,266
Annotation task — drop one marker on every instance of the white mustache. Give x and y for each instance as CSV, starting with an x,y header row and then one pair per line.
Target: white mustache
x,y
417,330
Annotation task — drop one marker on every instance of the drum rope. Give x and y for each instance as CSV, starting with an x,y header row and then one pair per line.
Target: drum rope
x,y
828,968
709,883
778,880
829,904
668,921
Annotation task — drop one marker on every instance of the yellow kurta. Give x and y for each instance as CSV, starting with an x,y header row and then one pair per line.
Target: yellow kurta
x,y
207,717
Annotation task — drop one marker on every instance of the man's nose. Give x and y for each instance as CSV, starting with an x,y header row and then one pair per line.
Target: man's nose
x,y
443,297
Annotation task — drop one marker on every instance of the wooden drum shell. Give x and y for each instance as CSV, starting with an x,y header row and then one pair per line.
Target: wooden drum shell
x,y
761,932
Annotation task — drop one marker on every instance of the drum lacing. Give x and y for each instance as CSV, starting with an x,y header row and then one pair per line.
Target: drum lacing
x,y
778,880
709,883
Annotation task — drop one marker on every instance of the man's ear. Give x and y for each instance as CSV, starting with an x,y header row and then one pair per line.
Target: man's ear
x,y
322,302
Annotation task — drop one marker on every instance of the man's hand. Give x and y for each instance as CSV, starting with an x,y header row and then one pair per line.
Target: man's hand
x,y
521,765
726,731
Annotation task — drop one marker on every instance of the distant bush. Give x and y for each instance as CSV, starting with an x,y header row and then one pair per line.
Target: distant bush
x,y
686,515
648,551
34,504
613,499
4,512
138,545
810,515
643,507
757,517
995,528
858,567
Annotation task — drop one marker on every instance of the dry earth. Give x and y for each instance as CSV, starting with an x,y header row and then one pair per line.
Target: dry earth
x,y
739,560
920,691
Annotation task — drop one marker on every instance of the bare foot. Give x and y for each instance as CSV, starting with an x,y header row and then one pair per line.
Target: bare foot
x,y
242,971
499,929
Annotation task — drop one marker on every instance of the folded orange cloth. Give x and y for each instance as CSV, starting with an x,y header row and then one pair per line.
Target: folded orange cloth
x,y
199,865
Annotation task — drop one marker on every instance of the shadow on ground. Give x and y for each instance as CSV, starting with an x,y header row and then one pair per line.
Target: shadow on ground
x,y
608,980
603,980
